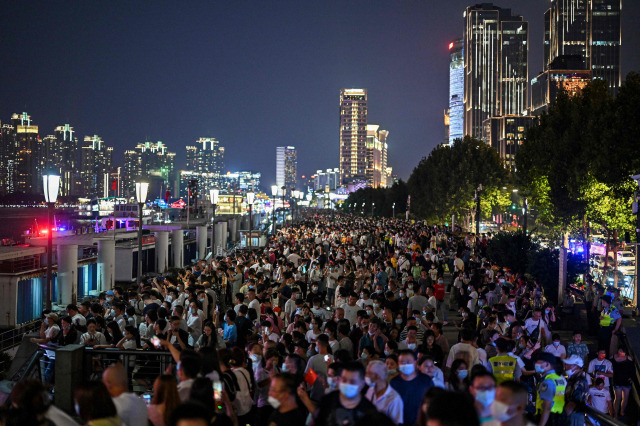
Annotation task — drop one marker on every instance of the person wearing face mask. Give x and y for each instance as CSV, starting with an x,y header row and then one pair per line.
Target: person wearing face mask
x,y
411,384
346,406
503,366
282,397
555,348
263,375
550,392
577,388
508,409
483,389
383,396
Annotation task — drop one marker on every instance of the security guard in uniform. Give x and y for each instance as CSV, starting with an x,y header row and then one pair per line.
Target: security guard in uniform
x,y
503,366
610,322
551,389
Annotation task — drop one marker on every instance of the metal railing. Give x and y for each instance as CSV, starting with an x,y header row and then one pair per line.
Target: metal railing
x,y
12,338
142,366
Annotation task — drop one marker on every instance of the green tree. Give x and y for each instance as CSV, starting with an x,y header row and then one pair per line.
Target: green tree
x,y
511,250
444,183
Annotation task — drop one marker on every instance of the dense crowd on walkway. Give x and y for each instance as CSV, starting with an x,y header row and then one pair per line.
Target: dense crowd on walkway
x,y
340,321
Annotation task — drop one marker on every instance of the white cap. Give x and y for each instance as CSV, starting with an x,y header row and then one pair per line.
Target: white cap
x,y
574,360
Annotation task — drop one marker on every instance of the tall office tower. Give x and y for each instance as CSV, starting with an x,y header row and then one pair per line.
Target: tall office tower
x,y
287,167
456,90
149,160
353,135
495,65
386,175
96,166
588,30
567,31
28,160
606,39
207,156
376,153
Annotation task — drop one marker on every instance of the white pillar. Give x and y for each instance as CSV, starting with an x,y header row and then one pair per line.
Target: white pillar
x,y
223,235
201,239
67,274
218,242
106,264
233,227
177,246
162,251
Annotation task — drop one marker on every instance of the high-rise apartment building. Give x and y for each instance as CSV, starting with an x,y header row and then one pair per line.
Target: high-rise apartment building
x,y
26,153
206,156
353,135
456,90
96,167
286,167
7,158
588,30
495,53
149,159
60,154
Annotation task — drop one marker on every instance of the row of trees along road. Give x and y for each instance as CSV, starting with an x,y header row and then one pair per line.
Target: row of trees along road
x,y
574,168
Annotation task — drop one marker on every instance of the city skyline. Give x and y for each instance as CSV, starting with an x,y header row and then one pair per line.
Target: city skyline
x,y
101,89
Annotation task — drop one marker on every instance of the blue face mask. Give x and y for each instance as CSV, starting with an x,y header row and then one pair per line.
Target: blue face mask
x,y
349,390
539,369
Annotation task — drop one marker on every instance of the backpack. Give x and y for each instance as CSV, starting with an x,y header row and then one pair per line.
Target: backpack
x,y
244,399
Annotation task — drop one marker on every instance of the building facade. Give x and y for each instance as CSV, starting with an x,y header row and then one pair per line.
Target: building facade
x,y
25,153
565,73
206,156
353,135
505,134
456,91
326,180
96,167
60,155
589,30
149,159
287,167
495,65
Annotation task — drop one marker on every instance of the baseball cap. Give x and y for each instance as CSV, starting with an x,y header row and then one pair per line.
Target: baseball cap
x,y
574,360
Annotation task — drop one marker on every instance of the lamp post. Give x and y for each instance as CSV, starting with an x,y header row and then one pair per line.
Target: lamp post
x,y
51,185
141,198
300,197
213,197
274,195
250,197
393,210
295,200
284,217
478,191
372,207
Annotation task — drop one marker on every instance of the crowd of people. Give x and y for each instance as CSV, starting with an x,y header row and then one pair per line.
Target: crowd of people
x,y
341,321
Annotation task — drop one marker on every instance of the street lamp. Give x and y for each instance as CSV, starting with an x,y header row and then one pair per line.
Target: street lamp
x,y
300,197
372,206
141,198
284,218
274,194
213,197
51,185
250,197
478,191
393,210
295,200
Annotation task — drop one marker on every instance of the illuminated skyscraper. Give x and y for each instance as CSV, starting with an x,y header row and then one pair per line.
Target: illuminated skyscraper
x,y
206,156
96,166
374,171
567,31
149,159
353,135
60,154
286,167
495,65
26,153
456,90
606,39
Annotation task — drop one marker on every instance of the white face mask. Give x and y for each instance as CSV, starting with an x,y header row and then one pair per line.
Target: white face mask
x,y
273,402
499,411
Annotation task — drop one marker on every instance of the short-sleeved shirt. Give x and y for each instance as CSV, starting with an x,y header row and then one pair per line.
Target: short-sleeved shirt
x,y
547,388
390,403
599,399
296,416
581,349
411,393
596,366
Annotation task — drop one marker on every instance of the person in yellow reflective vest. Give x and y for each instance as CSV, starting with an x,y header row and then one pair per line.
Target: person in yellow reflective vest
x,y
610,322
551,389
503,366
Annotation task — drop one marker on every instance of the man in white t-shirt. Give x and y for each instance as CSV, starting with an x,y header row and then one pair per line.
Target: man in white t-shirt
x,y
132,409
464,350
537,322
601,368
599,397
351,309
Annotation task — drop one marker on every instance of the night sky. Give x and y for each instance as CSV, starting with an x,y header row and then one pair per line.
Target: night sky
x,y
253,74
